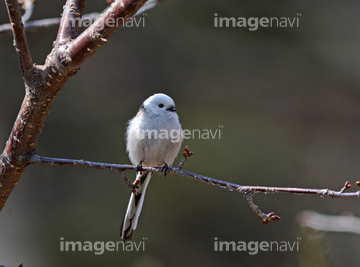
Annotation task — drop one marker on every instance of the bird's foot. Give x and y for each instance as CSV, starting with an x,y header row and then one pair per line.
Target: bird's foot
x,y
165,169
139,167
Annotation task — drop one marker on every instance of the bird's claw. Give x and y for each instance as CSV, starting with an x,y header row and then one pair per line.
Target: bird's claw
x,y
139,167
165,169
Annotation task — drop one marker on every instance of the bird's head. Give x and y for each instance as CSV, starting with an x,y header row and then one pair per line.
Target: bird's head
x,y
159,104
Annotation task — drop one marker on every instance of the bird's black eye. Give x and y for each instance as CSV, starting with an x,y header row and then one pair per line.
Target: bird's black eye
x,y
161,105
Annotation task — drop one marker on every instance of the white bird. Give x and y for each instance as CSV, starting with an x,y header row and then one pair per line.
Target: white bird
x,y
154,137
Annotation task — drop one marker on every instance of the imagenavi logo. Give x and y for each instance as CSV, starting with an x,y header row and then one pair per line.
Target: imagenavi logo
x,y
253,247
99,247
253,23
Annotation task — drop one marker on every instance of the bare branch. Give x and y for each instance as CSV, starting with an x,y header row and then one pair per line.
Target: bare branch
x,y
266,217
246,190
345,187
133,186
33,25
35,159
148,5
87,43
186,154
329,223
265,189
73,10
20,42
28,5
21,265
55,22
44,23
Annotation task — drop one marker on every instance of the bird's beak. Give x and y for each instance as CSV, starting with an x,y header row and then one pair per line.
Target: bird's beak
x,y
172,108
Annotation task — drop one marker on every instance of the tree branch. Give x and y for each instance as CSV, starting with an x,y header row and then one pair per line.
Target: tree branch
x,y
329,223
55,22
246,190
266,217
44,23
35,159
28,5
87,43
43,83
20,42
70,20
21,265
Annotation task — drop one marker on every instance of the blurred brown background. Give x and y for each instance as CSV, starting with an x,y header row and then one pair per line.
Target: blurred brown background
x,y
289,101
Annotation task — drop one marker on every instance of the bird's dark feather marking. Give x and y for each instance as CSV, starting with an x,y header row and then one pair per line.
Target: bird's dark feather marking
x,y
127,236
137,198
129,231
138,195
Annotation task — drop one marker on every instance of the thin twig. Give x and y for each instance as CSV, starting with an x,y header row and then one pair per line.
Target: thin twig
x,y
345,187
329,223
266,217
35,159
186,154
44,23
148,5
20,42
28,5
51,23
98,34
246,190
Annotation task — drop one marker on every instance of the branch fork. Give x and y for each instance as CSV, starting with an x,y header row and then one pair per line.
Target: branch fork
x,y
43,83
